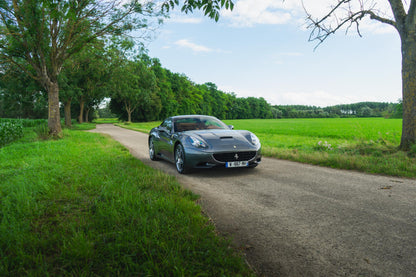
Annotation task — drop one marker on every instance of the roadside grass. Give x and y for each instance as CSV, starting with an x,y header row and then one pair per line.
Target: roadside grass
x,y
106,120
363,144
83,206
143,127
83,126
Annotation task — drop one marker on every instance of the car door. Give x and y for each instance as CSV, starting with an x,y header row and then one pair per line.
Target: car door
x,y
165,136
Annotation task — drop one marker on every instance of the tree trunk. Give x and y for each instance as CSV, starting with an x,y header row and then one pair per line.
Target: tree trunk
x,y
54,117
67,109
87,111
81,109
409,90
128,110
129,115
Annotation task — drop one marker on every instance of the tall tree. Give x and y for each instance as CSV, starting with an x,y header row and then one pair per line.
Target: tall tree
x,y
164,90
347,13
40,35
133,84
91,73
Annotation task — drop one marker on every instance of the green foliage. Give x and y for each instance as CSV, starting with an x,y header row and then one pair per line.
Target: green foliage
x,y
24,122
398,110
133,84
211,8
83,206
20,96
412,151
10,131
39,128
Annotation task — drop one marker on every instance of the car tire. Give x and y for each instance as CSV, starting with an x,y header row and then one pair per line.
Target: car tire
x,y
152,152
180,161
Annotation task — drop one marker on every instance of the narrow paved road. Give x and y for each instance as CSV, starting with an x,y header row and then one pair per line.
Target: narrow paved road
x,y
293,219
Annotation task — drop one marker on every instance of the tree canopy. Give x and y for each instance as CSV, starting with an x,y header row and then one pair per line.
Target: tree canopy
x,y
39,36
175,94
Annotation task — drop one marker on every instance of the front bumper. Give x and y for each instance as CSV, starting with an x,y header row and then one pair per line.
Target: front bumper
x,y
196,158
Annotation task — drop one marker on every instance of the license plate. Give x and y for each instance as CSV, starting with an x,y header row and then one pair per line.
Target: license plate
x,y
236,164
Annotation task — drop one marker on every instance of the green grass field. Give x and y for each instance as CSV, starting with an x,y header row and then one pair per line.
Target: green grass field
x,y
83,206
364,144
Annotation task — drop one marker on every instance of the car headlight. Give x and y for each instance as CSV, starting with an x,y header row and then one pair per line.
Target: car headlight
x,y
196,142
254,139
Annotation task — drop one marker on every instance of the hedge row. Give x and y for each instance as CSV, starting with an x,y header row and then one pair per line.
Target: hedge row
x,y
25,122
10,131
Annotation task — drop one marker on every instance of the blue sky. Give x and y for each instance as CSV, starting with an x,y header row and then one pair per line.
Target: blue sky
x,y
261,49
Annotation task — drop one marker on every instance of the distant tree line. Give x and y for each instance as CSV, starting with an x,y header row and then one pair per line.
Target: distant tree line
x,y
361,109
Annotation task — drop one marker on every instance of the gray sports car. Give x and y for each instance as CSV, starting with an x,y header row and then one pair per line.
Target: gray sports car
x,y
199,141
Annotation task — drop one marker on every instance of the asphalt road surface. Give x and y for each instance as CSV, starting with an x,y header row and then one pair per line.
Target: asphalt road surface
x,y
292,219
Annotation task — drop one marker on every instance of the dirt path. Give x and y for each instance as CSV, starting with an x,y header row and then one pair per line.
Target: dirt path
x,y
293,219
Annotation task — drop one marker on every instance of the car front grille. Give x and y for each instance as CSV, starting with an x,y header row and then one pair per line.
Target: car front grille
x,y
235,156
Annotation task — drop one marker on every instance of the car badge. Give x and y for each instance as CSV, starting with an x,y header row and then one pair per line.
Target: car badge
x,y
236,156
235,147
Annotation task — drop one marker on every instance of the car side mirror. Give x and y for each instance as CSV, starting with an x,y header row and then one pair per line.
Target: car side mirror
x,y
164,130
231,127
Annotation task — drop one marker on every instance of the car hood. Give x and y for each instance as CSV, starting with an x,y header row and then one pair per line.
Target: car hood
x,y
226,140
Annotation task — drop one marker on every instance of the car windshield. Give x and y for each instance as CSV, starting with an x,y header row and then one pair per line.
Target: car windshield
x,y
198,123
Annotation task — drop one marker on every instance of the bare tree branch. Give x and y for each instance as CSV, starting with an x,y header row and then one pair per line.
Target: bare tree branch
x,y
324,27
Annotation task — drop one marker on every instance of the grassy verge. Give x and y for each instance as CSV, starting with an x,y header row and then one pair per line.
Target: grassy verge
x,y
106,120
83,206
364,144
143,127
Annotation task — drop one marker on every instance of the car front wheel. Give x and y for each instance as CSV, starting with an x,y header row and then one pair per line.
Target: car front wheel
x,y
152,153
180,159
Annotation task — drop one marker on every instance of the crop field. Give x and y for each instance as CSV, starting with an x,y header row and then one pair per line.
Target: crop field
x,y
307,133
364,144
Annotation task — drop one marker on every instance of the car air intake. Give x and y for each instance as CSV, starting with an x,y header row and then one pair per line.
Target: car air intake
x,y
235,156
226,137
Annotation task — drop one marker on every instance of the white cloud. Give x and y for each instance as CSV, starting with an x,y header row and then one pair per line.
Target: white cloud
x,y
375,27
193,46
247,13
291,54
184,19
284,57
185,43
